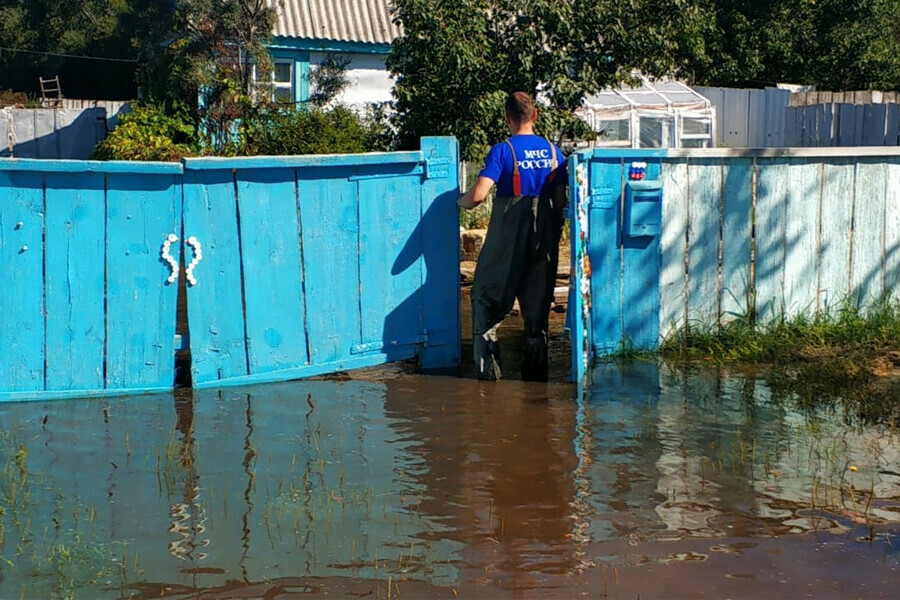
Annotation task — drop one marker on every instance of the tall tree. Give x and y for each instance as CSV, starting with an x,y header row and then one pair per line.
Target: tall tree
x,y
90,44
459,57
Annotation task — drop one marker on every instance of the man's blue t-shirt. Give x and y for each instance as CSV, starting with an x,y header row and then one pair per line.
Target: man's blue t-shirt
x,y
535,158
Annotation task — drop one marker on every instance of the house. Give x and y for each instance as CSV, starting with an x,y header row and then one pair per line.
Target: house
x,y
306,31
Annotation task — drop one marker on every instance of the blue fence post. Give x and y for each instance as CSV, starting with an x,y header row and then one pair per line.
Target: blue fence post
x,y
440,248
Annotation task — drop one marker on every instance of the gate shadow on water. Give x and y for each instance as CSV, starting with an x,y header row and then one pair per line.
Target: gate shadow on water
x,y
660,482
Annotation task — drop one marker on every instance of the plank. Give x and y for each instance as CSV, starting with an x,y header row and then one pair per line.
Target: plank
x,y
391,269
75,264
673,274
270,255
440,247
874,122
836,225
21,269
737,229
892,232
215,303
867,251
772,178
892,126
142,210
704,206
605,191
640,282
756,119
330,218
801,214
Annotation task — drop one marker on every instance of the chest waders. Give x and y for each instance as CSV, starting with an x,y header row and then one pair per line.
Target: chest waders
x,y
518,260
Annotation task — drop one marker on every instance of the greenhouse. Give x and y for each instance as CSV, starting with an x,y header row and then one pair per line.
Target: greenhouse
x,y
654,114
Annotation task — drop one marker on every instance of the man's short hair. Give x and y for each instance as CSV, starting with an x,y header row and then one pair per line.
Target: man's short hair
x,y
520,107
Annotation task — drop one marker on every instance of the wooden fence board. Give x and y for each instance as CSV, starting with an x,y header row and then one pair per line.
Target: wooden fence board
x,y
273,293
836,225
328,211
773,176
21,265
142,210
892,232
74,280
672,277
737,228
704,209
868,232
216,315
801,214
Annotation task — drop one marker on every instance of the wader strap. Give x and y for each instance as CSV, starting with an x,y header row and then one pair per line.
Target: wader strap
x,y
516,178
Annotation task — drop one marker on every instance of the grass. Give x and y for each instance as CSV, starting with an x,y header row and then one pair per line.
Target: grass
x,y
849,332
849,356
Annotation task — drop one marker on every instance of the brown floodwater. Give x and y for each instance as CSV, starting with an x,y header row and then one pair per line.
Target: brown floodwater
x,y
656,483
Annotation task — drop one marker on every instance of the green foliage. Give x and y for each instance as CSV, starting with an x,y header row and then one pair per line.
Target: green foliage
x,y
148,133
458,59
833,44
311,131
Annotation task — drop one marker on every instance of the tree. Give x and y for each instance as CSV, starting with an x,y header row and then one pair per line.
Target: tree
x,y
216,54
87,43
458,58
832,44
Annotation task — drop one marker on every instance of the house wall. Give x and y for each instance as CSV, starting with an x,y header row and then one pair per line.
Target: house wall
x,y
370,81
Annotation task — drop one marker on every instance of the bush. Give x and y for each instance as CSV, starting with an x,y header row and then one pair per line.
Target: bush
x,y
148,133
311,131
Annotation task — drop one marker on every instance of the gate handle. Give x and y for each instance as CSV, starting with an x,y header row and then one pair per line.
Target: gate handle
x,y
197,247
167,258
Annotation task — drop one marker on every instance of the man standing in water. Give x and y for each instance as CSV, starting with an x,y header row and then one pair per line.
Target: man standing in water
x,y
521,251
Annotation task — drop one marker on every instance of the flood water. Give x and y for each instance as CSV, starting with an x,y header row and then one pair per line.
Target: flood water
x,y
657,483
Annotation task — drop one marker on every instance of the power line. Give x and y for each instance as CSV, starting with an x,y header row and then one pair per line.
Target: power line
x,y
81,56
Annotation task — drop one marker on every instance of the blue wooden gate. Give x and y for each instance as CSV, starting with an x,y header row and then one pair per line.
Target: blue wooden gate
x,y
295,266
316,264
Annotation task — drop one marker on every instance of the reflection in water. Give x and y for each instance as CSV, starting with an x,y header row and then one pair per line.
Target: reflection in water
x,y
445,486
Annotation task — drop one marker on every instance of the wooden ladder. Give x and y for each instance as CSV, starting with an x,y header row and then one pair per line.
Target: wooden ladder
x,y
51,92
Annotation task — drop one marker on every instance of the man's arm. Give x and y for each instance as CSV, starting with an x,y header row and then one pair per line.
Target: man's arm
x,y
477,194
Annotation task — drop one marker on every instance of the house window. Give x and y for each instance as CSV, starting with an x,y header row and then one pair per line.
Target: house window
x,y
283,81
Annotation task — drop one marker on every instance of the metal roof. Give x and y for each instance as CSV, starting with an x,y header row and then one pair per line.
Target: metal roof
x,y
366,21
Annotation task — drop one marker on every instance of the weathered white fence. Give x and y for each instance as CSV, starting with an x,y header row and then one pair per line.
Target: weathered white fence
x,y
777,232
56,133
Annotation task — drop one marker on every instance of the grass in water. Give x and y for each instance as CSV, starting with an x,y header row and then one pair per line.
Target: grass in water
x,y
850,355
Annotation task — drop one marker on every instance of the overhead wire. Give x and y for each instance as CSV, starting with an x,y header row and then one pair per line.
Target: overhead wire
x,y
63,55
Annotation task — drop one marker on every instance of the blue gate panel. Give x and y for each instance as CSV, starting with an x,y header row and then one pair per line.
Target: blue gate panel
x,y
21,265
640,267
74,276
329,213
215,312
440,253
270,254
390,298
605,189
143,210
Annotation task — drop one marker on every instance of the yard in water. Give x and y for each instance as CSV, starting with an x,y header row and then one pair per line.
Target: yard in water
x,y
661,481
